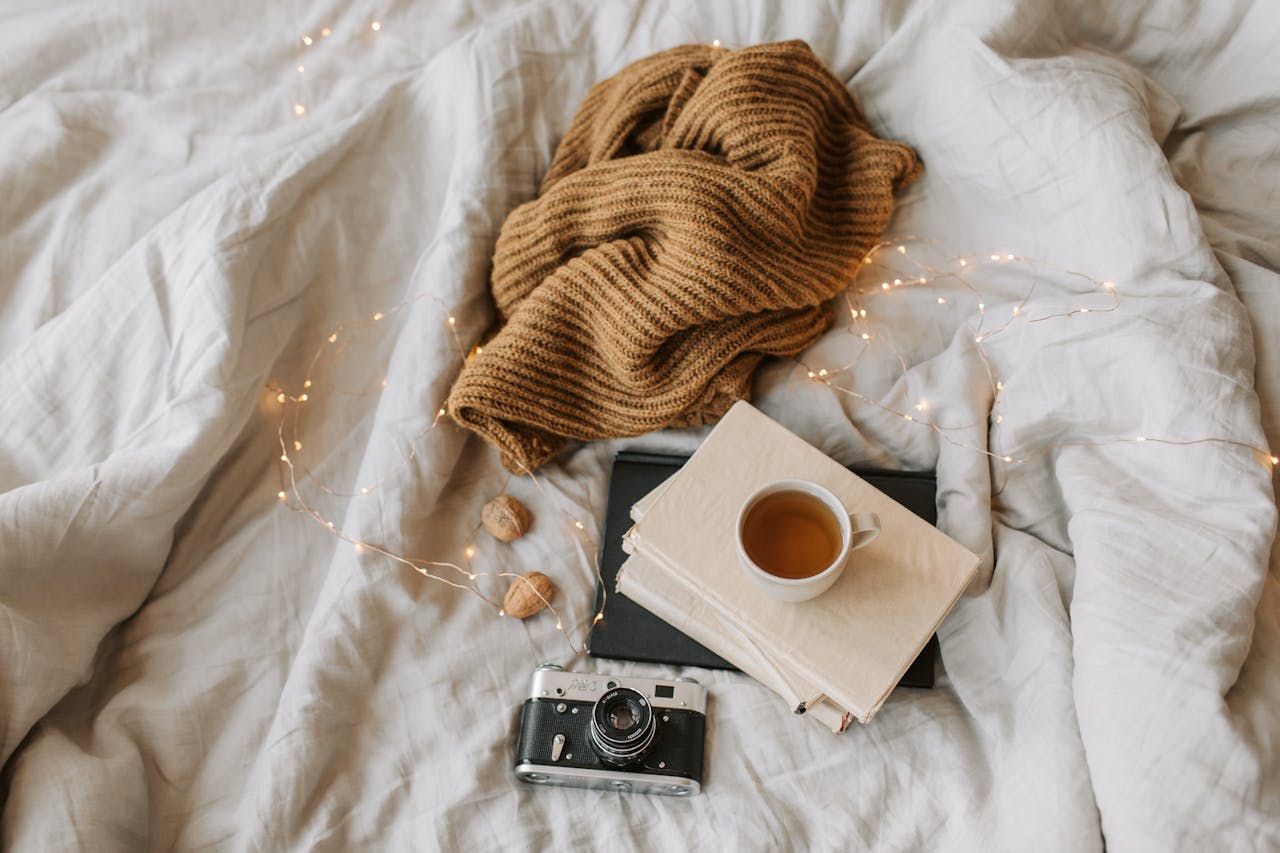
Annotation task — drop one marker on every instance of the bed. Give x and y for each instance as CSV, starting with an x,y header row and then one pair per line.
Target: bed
x,y
207,206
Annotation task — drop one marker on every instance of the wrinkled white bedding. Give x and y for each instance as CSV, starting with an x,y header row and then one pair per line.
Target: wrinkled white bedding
x,y
185,664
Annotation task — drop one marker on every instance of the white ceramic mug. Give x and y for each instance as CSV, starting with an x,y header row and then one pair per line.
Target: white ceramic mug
x,y
856,530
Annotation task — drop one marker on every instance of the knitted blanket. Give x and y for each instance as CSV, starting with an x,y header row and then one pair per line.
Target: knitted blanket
x,y
702,208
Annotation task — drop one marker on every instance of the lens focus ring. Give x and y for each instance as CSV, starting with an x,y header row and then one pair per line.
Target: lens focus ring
x,y
622,726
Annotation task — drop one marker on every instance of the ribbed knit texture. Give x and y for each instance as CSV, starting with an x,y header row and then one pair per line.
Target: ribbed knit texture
x,y
701,209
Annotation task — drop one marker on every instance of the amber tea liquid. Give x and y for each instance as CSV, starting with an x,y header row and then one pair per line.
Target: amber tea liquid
x,y
791,535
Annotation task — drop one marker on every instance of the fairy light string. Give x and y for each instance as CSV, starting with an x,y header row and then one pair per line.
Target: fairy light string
x,y
890,266
304,47
902,269
294,471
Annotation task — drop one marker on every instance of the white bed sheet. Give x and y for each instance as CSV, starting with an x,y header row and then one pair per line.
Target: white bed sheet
x,y
185,664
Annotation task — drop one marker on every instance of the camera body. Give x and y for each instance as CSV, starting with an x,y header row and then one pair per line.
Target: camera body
x,y
585,730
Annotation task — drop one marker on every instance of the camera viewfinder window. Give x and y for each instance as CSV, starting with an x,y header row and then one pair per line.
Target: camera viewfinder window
x,y
664,691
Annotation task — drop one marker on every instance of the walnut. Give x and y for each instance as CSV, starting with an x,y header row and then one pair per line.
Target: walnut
x,y
528,594
505,517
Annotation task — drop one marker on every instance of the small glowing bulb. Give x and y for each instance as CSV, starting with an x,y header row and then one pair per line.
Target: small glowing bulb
x,y
375,26
897,282
378,316
1017,308
599,616
472,576
902,250
812,374
452,320
866,337
982,307
306,384
1140,438
302,399
999,419
301,69
281,495
502,612
297,445
995,257
924,280
299,109
715,42
1008,459
922,405
365,490
1275,460
326,32
978,339
1084,310
862,312
471,552
479,350
441,413
284,457
963,262
384,383
942,300
559,626
907,418
1109,285
822,372
884,285
329,524
307,40
333,338
280,398
578,524
999,386
359,547
1008,257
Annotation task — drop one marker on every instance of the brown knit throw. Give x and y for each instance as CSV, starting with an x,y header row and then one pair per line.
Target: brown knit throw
x,y
701,209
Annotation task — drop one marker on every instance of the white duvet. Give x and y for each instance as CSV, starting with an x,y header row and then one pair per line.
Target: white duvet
x,y
186,664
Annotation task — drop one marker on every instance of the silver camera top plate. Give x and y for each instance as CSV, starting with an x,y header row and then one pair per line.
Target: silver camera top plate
x,y
555,683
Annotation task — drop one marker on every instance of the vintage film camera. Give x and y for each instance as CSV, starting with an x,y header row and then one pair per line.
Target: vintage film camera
x,y
623,734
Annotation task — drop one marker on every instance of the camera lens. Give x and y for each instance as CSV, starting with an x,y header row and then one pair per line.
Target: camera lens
x,y
620,717
622,726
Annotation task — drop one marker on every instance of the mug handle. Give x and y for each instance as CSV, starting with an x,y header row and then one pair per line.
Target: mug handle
x,y
866,527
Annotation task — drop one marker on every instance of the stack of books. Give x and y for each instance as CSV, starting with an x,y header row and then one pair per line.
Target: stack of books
x,y
835,657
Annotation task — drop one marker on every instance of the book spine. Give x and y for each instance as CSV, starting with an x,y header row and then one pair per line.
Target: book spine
x,y
772,657
651,583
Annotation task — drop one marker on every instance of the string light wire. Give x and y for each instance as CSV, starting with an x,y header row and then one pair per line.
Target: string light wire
x,y
903,270
292,464
303,46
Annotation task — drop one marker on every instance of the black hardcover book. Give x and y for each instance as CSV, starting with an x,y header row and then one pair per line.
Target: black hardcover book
x,y
629,632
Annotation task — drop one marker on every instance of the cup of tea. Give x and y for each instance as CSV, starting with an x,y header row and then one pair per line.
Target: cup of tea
x,y
795,537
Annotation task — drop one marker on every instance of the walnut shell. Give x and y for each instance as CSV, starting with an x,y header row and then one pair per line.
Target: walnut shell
x,y
505,517
528,594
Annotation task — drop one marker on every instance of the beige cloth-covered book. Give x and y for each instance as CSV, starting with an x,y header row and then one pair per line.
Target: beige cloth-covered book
x,y
837,656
